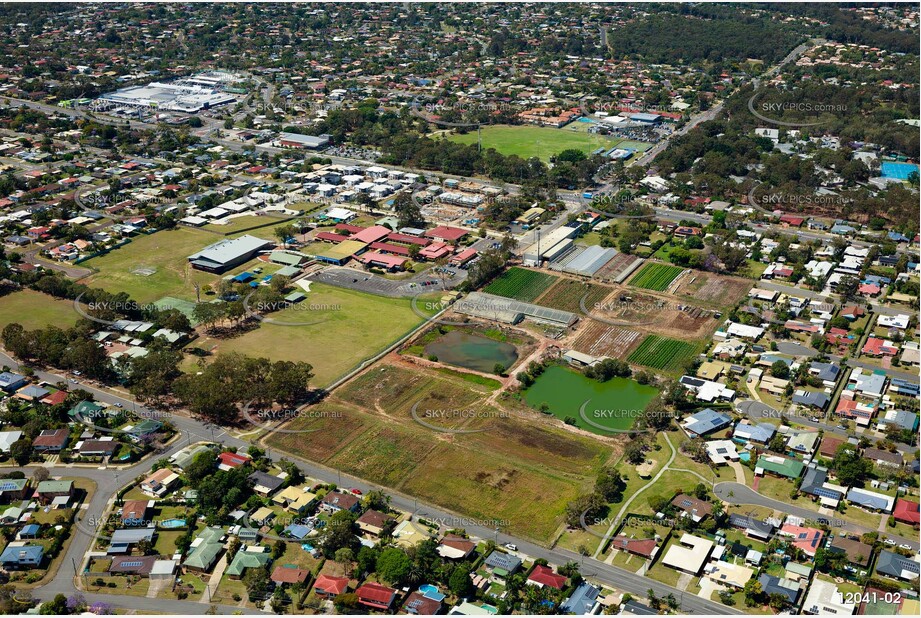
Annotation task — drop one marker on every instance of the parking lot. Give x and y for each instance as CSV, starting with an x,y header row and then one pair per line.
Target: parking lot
x,y
354,279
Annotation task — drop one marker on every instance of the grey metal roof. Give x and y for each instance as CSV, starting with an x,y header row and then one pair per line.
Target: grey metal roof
x,y
491,303
225,251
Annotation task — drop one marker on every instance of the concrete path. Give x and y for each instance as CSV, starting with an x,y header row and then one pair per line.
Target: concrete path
x,y
215,580
627,504
739,470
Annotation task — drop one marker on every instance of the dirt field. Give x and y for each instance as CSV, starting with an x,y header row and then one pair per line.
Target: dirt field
x,y
711,290
599,339
656,313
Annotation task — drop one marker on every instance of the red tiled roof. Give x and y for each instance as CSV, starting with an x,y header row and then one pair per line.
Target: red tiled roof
x,y
289,575
545,576
331,585
642,547
329,236
446,233
232,459
906,511
375,595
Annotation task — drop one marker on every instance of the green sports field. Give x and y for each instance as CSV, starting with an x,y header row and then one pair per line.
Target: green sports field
x,y
166,254
520,284
656,276
528,141
36,310
663,353
345,327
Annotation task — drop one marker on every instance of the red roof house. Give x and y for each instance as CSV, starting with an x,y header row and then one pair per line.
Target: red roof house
x,y
906,512
290,575
328,586
544,576
376,596
446,234
806,539
228,461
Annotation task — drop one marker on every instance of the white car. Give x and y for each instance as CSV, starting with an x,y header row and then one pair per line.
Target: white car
x,y
905,546
511,547
889,542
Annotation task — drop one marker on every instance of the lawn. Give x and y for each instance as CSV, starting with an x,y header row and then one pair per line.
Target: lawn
x,y
167,252
246,222
349,327
663,353
520,284
656,276
530,141
36,310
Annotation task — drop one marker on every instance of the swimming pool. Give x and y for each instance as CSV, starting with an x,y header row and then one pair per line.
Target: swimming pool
x,y
745,456
172,523
431,592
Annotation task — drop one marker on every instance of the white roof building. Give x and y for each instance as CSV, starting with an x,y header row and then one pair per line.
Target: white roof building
x,y
744,331
689,555
825,598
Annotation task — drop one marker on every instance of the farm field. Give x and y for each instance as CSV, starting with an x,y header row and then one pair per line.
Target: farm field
x,y
36,310
515,469
613,269
599,339
349,326
521,284
565,294
533,141
656,277
663,353
656,313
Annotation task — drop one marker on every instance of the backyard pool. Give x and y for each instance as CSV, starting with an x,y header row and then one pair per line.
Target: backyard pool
x,y
173,523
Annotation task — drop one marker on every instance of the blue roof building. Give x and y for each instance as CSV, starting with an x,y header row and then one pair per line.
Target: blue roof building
x,y
706,421
761,433
582,600
22,556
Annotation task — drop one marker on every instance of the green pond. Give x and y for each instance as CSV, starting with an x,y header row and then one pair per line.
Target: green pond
x,y
612,405
472,351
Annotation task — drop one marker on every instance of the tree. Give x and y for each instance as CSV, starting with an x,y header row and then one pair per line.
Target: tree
x,y
284,233
21,451
460,583
780,369
393,565
408,211
345,557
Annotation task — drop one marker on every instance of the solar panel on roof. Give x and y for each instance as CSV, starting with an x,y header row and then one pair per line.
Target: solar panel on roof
x,y
132,563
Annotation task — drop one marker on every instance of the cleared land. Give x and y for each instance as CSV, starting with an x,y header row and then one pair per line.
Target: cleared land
x,y
521,284
36,310
348,327
599,339
515,470
566,294
656,277
530,141
663,353
716,290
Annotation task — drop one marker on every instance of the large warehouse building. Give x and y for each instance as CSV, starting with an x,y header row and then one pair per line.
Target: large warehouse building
x,y
190,94
225,254
550,247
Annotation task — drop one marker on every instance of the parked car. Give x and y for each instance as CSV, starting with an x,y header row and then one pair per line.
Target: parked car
x,y
511,547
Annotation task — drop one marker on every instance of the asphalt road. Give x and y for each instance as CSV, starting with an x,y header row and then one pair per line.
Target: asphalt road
x,y
742,494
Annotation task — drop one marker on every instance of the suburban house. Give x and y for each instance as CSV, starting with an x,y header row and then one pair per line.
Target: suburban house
x,y
50,441
883,458
376,596
295,499
423,604
206,548
907,512
20,555
870,500
12,490
501,565
689,554
248,557
329,587
808,540
856,552
455,547
334,501
283,575
160,483
787,588
705,422
645,548
47,491
694,508
544,576
265,484
134,512
896,566
373,522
